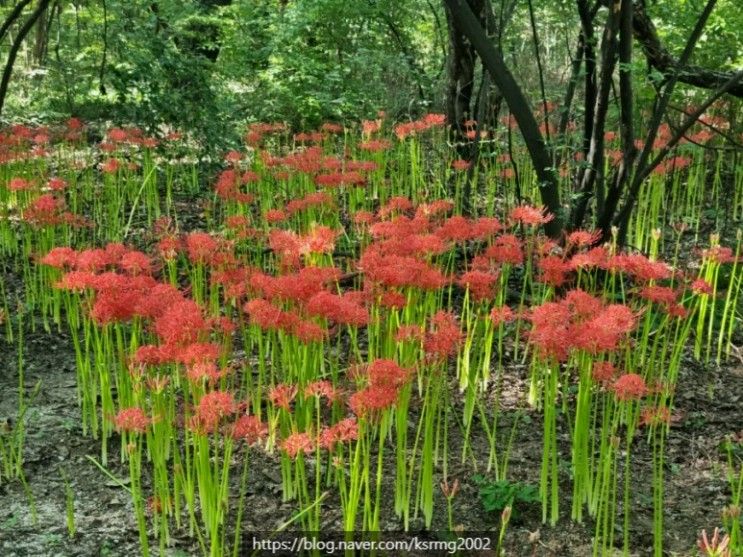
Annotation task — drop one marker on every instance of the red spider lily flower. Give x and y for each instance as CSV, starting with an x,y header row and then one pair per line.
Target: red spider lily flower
x,y
76,281
370,400
655,415
299,287
213,407
583,238
363,218
486,227
412,333
434,119
445,338
701,287
233,157
549,332
19,184
201,247
198,352
111,166
506,250
460,165
717,546
115,305
308,331
341,432
132,420
395,204
395,271
46,210
150,355
182,323
56,184
457,229
369,127
719,254
406,129
296,444
361,166
157,300
553,270
393,300
321,239
264,314
375,145
383,372
677,310
331,127
200,371
168,247
501,314
136,263
604,332
114,252
530,216
480,284
639,266
594,257
249,429
337,308
282,395
286,245
60,258
582,304
434,208
337,179
236,222
662,295
321,389
603,372
275,216
508,173
629,386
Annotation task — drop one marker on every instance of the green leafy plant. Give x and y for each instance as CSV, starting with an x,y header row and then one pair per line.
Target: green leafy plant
x,y
496,495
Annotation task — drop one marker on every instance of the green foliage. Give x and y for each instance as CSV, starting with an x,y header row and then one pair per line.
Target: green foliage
x,y
496,495
208,66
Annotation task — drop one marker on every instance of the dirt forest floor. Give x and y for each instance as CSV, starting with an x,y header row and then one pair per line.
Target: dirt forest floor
x,y
32,522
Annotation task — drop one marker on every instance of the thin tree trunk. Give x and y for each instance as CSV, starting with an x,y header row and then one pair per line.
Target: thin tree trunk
x,y
592,184
15,47
642,168
539,153
12,17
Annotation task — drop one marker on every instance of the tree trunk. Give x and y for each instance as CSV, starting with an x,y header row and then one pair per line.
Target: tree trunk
x,y
15,47
660,59
492,59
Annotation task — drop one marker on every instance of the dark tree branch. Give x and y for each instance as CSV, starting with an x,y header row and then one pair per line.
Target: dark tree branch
x,y
539,153
12,17
540,71
410,58
15,47
567,103
592,184
643,169
660,59
729,138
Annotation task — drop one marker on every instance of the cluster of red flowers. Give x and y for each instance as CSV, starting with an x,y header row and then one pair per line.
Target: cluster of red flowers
x,y
415,127
229,183
49,210
258,130
384,380
579,322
